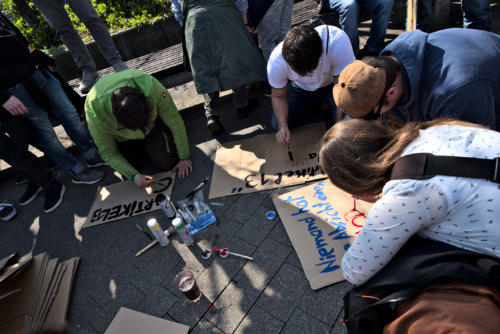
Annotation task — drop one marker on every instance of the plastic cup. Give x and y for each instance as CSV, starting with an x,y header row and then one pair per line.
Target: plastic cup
x,y
186,283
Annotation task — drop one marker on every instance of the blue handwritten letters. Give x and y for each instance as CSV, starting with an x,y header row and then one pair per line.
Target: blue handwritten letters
x,y
313,212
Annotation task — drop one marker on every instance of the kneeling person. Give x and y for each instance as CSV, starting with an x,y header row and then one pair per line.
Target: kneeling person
x,y
131,113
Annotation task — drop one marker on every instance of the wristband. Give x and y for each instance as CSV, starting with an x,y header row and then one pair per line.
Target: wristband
x,y
135,175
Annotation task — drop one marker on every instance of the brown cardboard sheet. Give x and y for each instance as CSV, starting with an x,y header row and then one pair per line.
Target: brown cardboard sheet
x,y
125,199
128,321
12,270
260,163
28,280
56,316
321,222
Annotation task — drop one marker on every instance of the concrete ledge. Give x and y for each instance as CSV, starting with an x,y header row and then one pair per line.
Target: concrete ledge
x,y
131,44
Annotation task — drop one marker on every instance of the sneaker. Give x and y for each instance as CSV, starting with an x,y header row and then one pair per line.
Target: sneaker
x,y
214,125
244,111
53,198
96,161
21,179
88,80
29,195
87,176
7,211
119,66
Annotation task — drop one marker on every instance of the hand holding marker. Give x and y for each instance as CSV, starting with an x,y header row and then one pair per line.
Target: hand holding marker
x,y
287,144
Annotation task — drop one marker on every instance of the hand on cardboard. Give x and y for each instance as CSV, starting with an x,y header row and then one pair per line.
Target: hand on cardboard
x,y
283,137
143,181
15,107
183,168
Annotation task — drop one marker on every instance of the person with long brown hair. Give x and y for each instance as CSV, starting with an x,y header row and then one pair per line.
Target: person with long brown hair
x,y
358,156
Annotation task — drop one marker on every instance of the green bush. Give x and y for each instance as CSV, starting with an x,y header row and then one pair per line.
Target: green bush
x,y
117,14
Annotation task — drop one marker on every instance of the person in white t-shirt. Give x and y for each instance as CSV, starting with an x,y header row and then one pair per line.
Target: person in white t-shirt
x,y
311,59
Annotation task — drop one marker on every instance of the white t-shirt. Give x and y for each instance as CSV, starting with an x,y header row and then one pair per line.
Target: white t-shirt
x,y
462,212
330,65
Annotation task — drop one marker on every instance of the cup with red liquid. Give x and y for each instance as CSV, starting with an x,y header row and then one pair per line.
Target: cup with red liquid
x,y
186,283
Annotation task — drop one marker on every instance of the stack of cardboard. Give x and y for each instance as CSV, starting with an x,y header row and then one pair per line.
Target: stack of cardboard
x,y
34,293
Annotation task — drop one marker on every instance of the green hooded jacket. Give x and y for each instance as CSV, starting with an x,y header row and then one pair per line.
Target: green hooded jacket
x,y
106,130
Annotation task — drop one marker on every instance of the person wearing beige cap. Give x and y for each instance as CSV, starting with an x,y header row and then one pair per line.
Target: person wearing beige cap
x,y
421,77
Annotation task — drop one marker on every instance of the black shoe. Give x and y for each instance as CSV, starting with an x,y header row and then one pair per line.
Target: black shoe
x,y
7,211
266,90
366,53
214,125
87,176
29,195
53,198
21,179
244,111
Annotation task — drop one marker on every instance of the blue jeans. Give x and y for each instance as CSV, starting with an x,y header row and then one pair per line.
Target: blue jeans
x,y
348,10
61,109
477,14
299,100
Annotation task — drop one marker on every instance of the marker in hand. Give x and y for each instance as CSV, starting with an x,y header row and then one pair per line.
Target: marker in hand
x,y
287,144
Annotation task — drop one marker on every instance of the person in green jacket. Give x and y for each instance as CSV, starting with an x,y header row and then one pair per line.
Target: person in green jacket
x,y
131,114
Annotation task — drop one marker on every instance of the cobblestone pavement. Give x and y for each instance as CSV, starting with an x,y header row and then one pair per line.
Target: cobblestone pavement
x,y
268,295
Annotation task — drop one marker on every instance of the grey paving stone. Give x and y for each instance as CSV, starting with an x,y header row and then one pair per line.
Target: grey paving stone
x,y
281,296
84,330
269,257
259,321
301,323
279,233
158,302
217,276
104,317
206,327
245,206
325,304
256,228
233,304
221,231
188,313
294,260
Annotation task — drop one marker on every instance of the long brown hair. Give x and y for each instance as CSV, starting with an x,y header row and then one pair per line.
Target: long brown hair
x,y
358,155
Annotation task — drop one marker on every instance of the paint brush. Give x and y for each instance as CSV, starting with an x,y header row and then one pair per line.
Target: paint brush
x,y
290,155
191,194
225,252
147,235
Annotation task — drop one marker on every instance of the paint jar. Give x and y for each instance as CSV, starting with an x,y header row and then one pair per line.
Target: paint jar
x,y
186,283
179,226
155,228
167,208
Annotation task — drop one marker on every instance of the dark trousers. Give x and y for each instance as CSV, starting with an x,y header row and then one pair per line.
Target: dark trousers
x,y
14,139
158,147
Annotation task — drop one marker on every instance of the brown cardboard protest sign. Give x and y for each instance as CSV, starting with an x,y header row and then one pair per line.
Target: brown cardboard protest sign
x,y
128,321
260,163
322,221
125,199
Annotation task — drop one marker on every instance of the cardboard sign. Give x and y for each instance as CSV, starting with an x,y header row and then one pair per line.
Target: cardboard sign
x,y
126,199
322,221
260,163
128,321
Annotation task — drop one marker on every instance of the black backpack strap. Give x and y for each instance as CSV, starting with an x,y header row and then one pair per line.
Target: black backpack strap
x,y
426,165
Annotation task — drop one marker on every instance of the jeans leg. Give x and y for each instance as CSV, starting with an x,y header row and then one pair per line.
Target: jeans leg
x,y
87,14
240,96
325,95
57,17
381,11
477,14
424,10
269,35
348,16
45,136
211,104
297,99
65,112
